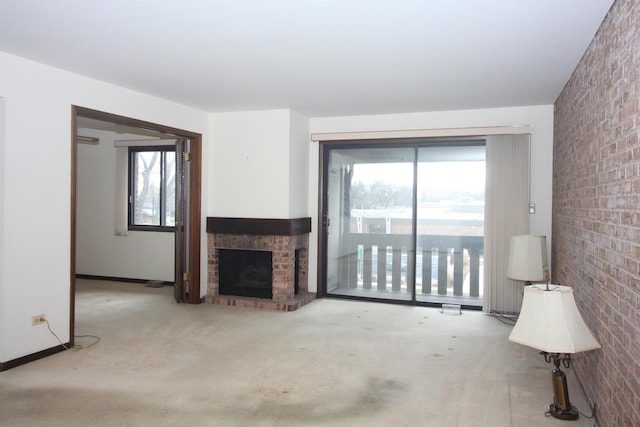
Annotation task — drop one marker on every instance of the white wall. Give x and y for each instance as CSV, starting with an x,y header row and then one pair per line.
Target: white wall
x,y
259,164
37,177
299,167
3,318
540,118
99,252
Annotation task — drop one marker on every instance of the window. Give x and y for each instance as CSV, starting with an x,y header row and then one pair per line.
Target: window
x,y
152,188
406,221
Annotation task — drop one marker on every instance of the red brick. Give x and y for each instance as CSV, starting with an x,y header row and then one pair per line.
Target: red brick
x,y
596,203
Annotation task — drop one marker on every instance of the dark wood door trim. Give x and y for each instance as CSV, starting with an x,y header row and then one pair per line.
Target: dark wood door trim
x,y
195,218
195,187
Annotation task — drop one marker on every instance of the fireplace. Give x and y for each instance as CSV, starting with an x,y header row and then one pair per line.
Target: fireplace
x,y
245,273
258,262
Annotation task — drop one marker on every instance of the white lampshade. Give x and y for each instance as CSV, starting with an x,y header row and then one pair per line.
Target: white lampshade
x,y
528,258
550,321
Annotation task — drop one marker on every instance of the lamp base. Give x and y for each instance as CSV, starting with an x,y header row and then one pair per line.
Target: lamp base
x,y
563,414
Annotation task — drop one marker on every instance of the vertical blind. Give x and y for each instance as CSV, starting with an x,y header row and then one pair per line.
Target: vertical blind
x,y
506,214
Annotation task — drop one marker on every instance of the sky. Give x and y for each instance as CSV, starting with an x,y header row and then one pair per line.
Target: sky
x,y
465,176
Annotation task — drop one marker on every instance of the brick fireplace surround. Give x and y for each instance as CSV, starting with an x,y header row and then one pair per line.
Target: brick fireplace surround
x,y
283,237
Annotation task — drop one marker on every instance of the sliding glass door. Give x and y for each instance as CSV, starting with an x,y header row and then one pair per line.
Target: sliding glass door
x,y
404,222
450,227
370,242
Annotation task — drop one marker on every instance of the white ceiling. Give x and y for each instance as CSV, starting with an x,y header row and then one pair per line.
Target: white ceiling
x,y
318,57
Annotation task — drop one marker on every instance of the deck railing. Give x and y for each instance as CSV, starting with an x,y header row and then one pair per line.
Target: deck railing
x,y
444,264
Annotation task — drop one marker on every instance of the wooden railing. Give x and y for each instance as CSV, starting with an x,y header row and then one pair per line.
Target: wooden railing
x,y
443,263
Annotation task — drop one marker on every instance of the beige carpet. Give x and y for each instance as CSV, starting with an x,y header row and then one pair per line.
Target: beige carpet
x,y
330,363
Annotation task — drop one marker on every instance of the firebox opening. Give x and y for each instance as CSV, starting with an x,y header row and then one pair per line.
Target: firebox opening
x,y
246,273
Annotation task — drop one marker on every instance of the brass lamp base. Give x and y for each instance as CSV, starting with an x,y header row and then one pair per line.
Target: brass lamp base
x,y
563,414
561,407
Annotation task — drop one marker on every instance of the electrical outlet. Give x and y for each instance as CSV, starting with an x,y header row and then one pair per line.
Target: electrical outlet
x,y
37,320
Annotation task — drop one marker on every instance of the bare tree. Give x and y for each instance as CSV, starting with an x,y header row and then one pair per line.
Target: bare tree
x,y
143,183
379,195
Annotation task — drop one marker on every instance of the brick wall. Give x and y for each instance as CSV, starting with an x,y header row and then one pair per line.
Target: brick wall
x,y
596,210
283,250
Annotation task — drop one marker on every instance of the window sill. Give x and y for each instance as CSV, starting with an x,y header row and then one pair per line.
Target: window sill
x,y
156,228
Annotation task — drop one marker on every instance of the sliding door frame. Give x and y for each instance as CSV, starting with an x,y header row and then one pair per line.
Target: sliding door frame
x,y
325,148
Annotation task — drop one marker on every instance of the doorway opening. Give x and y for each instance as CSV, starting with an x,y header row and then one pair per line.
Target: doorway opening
x,y
183,234
404,222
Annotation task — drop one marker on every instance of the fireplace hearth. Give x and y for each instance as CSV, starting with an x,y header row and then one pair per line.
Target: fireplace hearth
x,y
239,270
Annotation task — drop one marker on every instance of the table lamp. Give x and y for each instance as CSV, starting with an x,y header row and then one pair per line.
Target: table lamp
x,y
549,321
528,259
